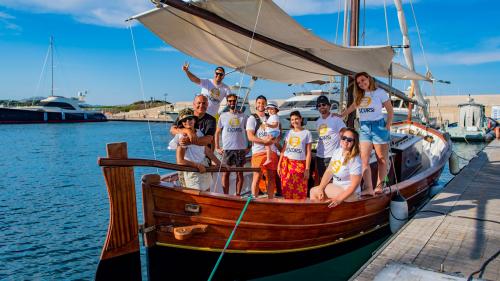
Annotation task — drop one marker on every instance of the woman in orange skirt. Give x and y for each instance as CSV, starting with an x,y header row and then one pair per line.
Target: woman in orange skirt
x,y
295,159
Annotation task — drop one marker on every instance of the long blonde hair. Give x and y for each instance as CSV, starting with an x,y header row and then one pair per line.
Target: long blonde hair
x,y
355,146
359,94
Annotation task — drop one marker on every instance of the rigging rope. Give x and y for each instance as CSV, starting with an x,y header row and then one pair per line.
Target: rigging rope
x,y
142,91
41,75
338,23
419,38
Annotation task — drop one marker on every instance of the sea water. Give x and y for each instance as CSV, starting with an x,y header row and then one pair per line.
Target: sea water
x,y
54,207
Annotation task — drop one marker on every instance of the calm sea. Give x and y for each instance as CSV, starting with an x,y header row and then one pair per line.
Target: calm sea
x,y
54,206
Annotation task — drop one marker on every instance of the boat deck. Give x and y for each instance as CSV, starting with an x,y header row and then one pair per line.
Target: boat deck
x,y
454,234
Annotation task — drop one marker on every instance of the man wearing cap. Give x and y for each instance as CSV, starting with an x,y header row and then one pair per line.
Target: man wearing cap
x,y
205,122
213,89
256,134
328,128
234,143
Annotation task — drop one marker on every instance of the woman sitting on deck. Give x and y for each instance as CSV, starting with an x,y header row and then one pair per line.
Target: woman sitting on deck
x,y
374,130
192,155
295,159
344,168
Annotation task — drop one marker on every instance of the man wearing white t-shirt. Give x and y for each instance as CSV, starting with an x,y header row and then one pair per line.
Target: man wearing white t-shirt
x,y
256,133
234,143
328,128
213,89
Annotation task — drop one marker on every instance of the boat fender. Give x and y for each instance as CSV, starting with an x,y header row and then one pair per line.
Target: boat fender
x,y
454,164
435,189
398,213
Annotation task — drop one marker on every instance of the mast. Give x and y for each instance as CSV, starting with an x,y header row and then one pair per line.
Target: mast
x,y
408,55
52,65
354,34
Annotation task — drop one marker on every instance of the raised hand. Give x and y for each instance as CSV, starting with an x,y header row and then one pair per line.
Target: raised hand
x,y
185,67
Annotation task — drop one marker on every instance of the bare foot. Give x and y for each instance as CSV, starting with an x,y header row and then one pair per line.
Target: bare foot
x,y
367,192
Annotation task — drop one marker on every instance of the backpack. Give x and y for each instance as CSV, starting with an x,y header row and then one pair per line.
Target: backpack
x,y
258,122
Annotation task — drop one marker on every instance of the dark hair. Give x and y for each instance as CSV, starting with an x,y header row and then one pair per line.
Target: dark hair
x,y
261,97
355,146
296,113
232,95
220,68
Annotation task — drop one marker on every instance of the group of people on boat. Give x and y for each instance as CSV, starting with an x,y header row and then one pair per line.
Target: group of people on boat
x,y
342,156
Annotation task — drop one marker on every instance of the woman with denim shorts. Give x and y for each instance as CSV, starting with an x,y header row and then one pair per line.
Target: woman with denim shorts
x,y
374,130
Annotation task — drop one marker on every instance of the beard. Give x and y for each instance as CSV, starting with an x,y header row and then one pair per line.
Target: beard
x,y
232,106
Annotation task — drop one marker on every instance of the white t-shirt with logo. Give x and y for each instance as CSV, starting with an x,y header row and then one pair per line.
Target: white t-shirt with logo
x,y
214,93
233,130
328,132
342,173
273,119
370,108
194,153
261,133
296,144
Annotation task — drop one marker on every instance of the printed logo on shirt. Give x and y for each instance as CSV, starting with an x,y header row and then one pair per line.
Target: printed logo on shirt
x,y
234,125
336,165
293,145
214,94
366,101
323,130
294,141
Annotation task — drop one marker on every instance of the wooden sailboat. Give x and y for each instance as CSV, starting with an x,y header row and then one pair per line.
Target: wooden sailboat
x,y
185,230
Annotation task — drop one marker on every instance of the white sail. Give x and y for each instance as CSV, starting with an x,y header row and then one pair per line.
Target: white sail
x,y
219,45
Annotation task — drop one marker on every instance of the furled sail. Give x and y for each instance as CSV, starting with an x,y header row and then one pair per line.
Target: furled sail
x,y
205,38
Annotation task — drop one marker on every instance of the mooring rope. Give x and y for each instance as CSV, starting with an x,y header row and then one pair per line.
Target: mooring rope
x,y
230,238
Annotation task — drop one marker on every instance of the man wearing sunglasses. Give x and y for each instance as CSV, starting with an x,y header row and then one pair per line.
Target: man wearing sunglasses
x,y
213,89
328,128
234,143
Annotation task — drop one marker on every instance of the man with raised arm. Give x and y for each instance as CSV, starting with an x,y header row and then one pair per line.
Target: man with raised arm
x,y
256,134
213,89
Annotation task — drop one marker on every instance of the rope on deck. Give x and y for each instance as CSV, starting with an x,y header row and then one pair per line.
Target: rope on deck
x,y
230,238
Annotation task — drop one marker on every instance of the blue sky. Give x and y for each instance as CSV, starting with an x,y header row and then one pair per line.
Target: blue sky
x,y
94,47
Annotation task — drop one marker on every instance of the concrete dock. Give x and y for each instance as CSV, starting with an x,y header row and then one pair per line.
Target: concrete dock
x,y
453,235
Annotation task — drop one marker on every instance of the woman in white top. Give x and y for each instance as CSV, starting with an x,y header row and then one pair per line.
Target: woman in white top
x,y
295,159
374,130
344,168
193,155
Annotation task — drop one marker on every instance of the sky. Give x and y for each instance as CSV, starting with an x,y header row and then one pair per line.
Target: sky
x,y
94,50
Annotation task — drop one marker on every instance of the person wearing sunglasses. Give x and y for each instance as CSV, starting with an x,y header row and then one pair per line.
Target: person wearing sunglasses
x,y
328,128
192,155
234,143
374,130
213,89
344,168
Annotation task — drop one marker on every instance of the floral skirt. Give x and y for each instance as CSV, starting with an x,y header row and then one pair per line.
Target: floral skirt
x,y
293,183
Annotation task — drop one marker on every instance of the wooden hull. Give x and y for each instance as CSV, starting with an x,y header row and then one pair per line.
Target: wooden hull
x,y
197,225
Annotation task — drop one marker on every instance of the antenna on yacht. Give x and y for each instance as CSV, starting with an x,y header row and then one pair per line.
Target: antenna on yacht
x,y
52,65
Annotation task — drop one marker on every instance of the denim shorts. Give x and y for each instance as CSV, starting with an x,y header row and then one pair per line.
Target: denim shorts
x,y
374,132
274,134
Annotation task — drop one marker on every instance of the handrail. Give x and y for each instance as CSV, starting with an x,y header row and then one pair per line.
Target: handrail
x,y
131,162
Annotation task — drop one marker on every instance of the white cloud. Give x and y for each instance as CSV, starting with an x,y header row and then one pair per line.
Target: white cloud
x,y
6,21
316,7
97,12
465,57
164,49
